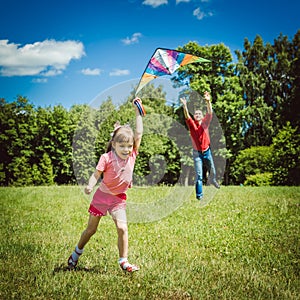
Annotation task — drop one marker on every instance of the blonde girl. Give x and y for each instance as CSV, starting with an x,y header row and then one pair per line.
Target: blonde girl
x,y
116,167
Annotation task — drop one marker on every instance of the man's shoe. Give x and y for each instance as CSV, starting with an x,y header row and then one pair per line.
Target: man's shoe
x,y
215,184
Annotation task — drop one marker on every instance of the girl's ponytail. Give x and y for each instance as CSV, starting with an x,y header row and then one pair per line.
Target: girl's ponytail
x,y
117,125
109,146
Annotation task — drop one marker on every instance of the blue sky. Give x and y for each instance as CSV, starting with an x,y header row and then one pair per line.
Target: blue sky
x,y
68,52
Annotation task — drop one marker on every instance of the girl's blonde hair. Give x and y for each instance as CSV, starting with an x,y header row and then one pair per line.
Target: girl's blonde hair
x,y
122,134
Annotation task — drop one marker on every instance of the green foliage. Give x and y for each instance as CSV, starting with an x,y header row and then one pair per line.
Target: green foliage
x,y
16,136
251,161
264,179
19,168
253,99
61,131
230,109
35,144
84,156
154,100
292,107
285,163
267,74
42,174
207,76
159,158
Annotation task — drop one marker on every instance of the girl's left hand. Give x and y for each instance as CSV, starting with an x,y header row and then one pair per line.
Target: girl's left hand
x,y
137,98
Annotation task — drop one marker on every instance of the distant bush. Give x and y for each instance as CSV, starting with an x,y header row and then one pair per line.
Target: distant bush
x,y
251,161
263,179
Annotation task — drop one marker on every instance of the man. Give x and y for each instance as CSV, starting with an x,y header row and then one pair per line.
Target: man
x,y
199,133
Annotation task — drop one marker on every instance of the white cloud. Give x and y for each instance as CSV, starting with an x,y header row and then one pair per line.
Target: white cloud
x,y
91,72
39,80
46,58
200,14
155,3
133,39
185,1
50,72
118,72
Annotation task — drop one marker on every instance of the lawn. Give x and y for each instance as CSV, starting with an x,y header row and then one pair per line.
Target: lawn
x,y
243,244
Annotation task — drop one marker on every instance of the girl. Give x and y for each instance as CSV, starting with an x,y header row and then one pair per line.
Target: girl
x,y
116,165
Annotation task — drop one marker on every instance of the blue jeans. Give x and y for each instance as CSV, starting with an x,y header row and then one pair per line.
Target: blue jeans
x,y
202,159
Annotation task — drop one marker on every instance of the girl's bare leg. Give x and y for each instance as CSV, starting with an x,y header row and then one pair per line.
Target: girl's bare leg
x,y
120,219
85,237
89,231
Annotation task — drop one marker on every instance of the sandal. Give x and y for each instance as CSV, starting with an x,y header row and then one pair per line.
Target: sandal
x,y
73,263
127,267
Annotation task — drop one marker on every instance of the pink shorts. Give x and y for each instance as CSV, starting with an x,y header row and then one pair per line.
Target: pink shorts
x,y
103,203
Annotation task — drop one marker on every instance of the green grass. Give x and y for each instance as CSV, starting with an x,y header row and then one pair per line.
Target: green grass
x,y
244,244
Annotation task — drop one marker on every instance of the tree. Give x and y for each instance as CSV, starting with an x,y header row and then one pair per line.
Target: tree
x,y
18,130
84,144
45,171
106,116
254,70
60,132
293,110
268,75
285,163
20,171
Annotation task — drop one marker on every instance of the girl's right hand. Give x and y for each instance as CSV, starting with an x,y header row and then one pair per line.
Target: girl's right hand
x,y
88,190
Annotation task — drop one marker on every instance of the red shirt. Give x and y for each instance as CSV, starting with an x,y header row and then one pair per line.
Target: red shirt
x,y
199,132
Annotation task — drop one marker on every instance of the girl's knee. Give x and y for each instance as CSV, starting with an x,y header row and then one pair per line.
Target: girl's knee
x,y
122,228
91,230
92,225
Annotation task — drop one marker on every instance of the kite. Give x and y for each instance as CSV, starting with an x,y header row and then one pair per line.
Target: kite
x,y
165,62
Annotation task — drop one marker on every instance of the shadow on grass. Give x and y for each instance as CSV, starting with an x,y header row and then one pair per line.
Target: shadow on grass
x,y
93,270
64,268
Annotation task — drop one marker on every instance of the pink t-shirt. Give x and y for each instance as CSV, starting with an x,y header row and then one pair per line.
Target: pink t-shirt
x,y
117,172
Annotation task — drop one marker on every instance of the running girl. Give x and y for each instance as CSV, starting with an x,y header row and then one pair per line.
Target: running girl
x,y
116,166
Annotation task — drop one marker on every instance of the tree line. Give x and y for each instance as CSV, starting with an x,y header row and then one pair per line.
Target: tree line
x,y
255,98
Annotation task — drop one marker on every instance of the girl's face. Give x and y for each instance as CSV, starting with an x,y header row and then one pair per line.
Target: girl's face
x,y
123,149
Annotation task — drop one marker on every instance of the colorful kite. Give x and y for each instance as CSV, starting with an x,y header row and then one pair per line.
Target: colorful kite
x,y
165,62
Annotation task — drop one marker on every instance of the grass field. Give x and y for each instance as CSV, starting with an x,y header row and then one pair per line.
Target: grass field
x,y
243,245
